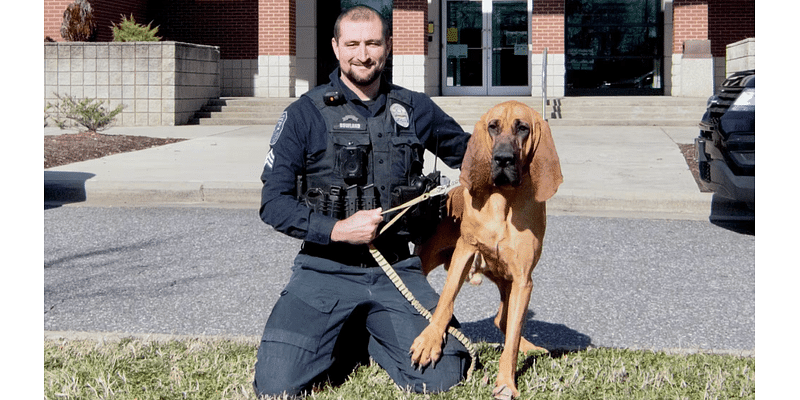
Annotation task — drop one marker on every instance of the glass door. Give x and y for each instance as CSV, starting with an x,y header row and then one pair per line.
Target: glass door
x,y
463,49
486,47
510,69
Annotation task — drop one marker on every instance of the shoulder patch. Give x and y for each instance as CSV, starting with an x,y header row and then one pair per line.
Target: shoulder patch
x,y
276,134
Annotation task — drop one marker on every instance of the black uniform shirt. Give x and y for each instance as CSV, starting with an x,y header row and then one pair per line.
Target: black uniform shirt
x,y
301,131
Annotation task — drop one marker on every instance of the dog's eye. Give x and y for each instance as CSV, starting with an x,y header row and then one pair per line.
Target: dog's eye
x,y
522,129
493,127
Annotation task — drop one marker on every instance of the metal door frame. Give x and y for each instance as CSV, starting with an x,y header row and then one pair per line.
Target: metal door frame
x,y
486,34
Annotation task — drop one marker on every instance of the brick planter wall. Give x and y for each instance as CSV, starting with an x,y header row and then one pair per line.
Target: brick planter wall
x,y
160,83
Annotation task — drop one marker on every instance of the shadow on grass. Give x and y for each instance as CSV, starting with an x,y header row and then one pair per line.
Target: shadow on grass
x,y
558,339
553,337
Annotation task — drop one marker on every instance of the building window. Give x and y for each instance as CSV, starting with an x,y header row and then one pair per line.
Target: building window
x,y
613,47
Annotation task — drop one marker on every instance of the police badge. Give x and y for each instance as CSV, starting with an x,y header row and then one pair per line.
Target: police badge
x,y
400,115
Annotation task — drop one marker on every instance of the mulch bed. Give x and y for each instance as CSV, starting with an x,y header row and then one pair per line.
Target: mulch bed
x,y
688,152
74,147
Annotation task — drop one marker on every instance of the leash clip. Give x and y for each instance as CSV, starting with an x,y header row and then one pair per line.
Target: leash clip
x,y
442,189
437,191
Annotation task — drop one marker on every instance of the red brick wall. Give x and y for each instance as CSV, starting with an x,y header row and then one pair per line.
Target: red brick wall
x,y
53,15
730,21
109,12
230,24
548,26
106,13
277,27
720,21
409,27
690,18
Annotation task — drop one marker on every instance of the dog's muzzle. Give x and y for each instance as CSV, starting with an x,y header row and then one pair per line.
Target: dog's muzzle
x,y
505,169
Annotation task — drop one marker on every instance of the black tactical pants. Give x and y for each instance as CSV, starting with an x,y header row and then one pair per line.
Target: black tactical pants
x,y
331,317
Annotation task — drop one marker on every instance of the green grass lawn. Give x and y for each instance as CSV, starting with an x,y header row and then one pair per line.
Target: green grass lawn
x,y
223,369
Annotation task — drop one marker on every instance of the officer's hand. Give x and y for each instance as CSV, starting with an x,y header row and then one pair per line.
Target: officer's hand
x,y
359,228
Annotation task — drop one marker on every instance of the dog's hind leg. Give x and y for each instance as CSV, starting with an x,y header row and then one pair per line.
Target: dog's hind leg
x,y
475,276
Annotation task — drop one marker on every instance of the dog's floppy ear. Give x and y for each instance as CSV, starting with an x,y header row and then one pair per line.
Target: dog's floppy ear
x,y
476,168
545,168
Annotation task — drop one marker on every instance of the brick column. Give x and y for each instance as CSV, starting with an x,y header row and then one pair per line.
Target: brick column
x,y
547,31
692,63
690,22
277,48
409,21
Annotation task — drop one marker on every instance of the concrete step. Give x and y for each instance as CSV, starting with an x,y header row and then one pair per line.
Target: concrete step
x,y
241,111
577,111
586,111
252,102
233,121
623,122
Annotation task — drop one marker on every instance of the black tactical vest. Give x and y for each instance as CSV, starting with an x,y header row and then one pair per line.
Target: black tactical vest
x,y
369,162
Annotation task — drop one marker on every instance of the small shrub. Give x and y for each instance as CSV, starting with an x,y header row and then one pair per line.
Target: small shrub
x,y
78,23
51,115
88,113
129,31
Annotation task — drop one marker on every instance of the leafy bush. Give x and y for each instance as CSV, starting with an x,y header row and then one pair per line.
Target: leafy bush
x,y
88,113
129,31
78,23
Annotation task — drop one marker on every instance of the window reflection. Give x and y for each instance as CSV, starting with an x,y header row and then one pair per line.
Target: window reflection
x,y
613,47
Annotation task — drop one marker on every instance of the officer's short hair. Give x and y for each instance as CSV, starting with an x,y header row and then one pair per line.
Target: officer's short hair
x,y
361,13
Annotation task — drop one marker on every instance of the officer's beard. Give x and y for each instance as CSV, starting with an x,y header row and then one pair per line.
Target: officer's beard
x,y
364,81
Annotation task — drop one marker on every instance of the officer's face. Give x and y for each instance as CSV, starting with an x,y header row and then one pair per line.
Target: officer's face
x,y
361,50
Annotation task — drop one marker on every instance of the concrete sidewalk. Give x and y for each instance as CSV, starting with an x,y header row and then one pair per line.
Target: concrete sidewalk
x,y
608,170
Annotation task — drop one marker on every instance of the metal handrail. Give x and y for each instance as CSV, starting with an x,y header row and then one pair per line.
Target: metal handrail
x,y
544,84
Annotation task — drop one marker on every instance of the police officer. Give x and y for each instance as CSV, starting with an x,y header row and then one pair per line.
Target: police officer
x,y
339,156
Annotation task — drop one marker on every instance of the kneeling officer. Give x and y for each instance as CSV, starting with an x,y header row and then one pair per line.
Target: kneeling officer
x,y
340,155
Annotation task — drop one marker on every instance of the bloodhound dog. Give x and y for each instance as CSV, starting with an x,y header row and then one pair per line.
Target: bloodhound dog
x,y
497,222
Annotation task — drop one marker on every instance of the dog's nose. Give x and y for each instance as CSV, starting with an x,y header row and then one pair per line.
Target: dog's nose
x,y
503,159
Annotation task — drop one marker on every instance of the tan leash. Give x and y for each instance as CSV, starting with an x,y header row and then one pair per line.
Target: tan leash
x,y
398,283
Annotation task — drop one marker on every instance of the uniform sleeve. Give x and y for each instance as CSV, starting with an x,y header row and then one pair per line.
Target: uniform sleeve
x,y
440,133
292,139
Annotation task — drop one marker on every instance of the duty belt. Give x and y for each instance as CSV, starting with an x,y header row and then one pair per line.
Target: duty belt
x,y
393,249
340,202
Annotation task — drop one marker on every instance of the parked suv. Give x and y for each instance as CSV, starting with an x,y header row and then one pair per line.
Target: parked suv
x,y
726,147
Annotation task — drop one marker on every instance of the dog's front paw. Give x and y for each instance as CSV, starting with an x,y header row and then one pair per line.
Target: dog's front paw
x,y
504,387
504,392
427,347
